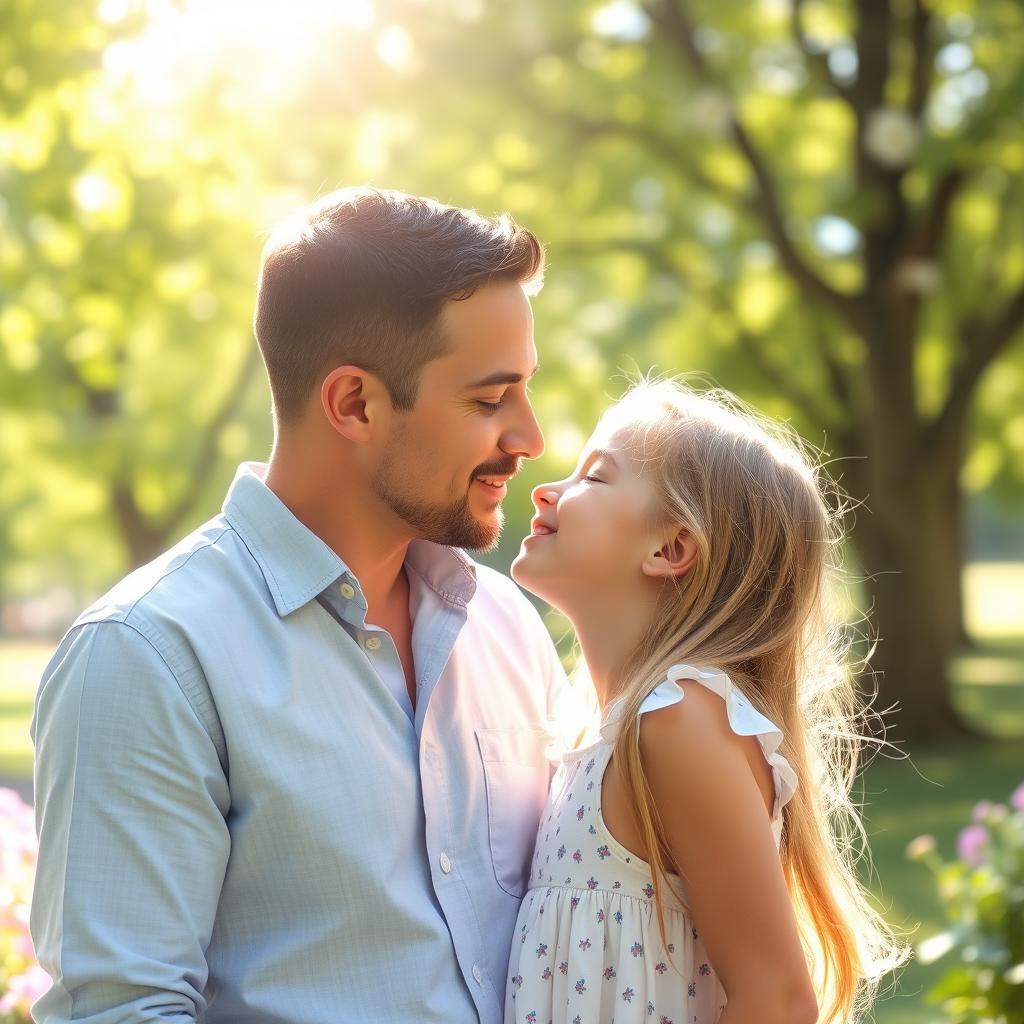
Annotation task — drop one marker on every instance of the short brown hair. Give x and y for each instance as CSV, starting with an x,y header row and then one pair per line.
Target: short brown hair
x,y
361,277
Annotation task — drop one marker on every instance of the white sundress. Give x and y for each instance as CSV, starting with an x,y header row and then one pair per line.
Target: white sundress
x,y
586,949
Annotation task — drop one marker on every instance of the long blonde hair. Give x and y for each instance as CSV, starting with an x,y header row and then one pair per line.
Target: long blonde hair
x,y
756,605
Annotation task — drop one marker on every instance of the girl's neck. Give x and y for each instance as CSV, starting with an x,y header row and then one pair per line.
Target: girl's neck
x,y
608,633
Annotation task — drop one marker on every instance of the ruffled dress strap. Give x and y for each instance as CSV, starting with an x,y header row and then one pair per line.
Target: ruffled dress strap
x,y
744,720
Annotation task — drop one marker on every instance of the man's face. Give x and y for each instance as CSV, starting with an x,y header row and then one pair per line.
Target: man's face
x,y
444,466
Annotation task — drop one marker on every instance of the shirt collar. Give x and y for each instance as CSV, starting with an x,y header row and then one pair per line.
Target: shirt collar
x,y
450,572
298,566
295,562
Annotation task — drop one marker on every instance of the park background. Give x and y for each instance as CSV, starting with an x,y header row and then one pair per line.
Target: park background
x,y
817,203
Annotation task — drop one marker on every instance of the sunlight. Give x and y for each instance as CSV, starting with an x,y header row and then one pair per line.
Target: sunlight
x,y
263,47
394,46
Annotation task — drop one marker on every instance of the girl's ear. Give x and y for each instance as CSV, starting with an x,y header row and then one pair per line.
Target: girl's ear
x,y
673,558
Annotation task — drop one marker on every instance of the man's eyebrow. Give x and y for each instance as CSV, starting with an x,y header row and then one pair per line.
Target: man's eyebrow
x,y
501,377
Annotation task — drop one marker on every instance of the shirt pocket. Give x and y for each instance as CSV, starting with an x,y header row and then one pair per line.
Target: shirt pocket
x,y
516,774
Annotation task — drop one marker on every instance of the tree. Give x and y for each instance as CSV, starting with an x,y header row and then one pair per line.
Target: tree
x,y
817,201
824,190
128,257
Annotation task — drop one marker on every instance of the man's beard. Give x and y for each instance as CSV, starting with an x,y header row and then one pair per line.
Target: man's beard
x,y
453,524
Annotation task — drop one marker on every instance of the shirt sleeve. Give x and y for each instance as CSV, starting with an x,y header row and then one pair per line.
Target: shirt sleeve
x,y
131,804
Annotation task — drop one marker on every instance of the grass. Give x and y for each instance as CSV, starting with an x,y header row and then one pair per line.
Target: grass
x,y
21,664
932,791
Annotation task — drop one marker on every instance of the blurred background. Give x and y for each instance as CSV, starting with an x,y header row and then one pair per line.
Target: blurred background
x,y
817,203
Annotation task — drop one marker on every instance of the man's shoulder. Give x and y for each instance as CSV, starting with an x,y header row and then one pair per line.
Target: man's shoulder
x,y
176,581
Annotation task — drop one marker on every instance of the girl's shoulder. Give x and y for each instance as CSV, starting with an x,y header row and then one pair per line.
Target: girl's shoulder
x,y
707,710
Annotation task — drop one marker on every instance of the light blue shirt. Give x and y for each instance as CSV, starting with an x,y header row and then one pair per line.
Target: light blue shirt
x,y
241,820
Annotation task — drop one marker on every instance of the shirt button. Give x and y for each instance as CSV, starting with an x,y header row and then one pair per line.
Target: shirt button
x,y
347,591
478,975
373,643
446,864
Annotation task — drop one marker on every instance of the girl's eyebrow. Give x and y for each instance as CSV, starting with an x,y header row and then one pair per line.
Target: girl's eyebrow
x,y
599,453
603,453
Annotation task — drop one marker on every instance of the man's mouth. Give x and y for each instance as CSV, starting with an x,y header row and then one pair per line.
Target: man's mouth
x,y
495,486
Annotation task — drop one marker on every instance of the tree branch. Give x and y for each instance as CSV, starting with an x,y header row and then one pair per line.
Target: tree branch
x,y
207,458
768,208
676,157
873,38
657,256
982,343
921,75
677,26
675,23
816,58
1005,233
837,378
927,242
776,375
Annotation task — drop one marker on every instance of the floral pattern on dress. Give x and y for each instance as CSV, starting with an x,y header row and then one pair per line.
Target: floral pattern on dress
x,y
598,922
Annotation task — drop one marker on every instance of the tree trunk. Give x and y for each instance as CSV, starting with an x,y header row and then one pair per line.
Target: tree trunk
x,y
949,551
142,541
911,552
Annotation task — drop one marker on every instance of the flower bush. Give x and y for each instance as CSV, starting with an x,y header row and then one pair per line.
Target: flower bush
x,y
982,895
22,980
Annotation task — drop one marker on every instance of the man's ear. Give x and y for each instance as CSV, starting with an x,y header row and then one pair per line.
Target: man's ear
x,y
354,402
674,558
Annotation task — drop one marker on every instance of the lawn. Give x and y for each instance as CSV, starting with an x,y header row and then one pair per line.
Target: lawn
x,y
21,663
930,791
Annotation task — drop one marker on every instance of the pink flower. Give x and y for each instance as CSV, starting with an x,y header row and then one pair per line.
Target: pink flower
x,y
921,847
1017,798
971,843
980,811
23,990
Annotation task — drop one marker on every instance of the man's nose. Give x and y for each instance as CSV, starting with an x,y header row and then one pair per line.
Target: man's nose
x,y
526,438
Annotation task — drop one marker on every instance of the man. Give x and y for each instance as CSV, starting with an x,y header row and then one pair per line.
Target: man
x,y
291,771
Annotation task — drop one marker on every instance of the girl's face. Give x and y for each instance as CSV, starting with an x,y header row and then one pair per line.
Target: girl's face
x,y
594,531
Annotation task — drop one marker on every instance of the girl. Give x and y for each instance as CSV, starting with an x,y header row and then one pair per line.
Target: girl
x,y
694,862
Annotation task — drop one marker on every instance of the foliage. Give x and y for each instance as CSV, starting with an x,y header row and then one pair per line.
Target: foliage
x,y
22,981
982,895
817,202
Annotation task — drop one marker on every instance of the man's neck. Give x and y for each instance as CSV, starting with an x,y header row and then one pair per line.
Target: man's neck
x,y
341,516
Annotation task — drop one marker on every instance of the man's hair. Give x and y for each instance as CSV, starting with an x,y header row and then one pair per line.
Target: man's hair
x,y
361,277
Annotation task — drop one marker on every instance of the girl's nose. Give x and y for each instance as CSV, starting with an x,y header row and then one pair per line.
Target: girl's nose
x,y
544,495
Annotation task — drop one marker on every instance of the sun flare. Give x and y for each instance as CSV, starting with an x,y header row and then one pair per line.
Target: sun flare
x,y
262,50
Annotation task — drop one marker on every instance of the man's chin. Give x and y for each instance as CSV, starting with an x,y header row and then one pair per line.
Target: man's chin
x,y
486,536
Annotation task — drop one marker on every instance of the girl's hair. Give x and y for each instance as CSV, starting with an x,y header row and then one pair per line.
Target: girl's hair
x,y
756,604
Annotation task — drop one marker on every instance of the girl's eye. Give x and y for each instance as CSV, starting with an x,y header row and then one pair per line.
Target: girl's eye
x,y
490,406
594,479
